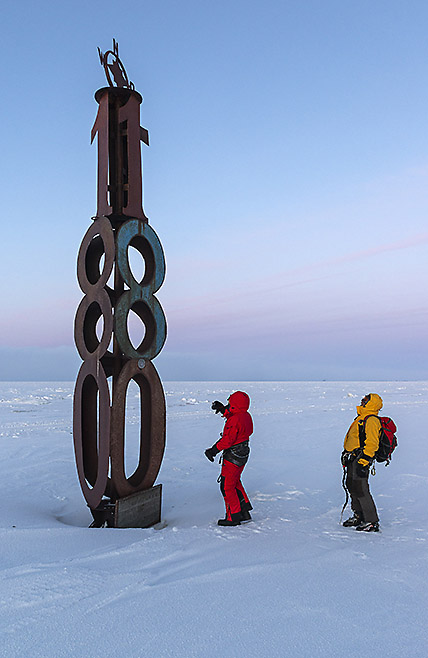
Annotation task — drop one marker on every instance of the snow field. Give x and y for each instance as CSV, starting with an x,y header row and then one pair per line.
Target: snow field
x,y
293,582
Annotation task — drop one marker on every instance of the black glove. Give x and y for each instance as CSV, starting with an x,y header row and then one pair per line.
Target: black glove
x,y
218,407
210,453
361,470
344,458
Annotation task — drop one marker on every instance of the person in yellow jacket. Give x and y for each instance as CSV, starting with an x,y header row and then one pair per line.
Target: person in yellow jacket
x,y
361,443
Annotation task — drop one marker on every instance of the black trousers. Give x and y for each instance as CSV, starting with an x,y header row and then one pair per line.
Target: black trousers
x,y
362,502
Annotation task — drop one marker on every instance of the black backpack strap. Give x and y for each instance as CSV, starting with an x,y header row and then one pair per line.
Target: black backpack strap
x,y
362,434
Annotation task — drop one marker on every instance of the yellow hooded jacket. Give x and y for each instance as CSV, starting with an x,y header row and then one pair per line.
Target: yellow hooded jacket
x,y
372,429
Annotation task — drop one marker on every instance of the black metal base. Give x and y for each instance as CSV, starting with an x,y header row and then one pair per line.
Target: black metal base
x,y
103,514
140,510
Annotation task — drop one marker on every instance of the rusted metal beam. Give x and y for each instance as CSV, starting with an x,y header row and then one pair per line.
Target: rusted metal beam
x,y
110,360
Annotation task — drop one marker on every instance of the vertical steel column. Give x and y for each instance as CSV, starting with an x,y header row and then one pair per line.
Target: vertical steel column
x,y
111,361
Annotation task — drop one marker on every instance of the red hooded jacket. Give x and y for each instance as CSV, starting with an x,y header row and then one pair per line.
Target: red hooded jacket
x,y
239,424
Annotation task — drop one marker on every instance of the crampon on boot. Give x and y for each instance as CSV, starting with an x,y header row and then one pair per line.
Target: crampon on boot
x,y
353,521
368,527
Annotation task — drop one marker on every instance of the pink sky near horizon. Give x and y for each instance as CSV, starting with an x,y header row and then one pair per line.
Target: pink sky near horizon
x,y
51,323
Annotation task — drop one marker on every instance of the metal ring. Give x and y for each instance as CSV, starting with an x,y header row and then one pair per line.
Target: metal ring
x,y
142,237
90,309
152,429
98,241
150,312
91,430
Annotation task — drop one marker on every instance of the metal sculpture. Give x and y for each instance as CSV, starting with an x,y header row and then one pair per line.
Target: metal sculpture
x,y
111,291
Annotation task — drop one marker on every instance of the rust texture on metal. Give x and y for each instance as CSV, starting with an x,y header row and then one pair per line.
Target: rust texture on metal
x,y
115,67
110,359
153,412
117,127
139,510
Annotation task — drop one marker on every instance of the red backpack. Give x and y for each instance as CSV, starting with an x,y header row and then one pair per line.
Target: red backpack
x,y
387,438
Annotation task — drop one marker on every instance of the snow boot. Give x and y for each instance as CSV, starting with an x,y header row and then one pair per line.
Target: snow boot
x,y
368,527
245,507
235,520
353,521
245,516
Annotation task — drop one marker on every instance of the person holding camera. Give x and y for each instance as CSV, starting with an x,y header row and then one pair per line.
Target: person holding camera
x,y
234,442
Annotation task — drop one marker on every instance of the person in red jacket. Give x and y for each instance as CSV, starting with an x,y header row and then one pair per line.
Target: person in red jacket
x,y
234,443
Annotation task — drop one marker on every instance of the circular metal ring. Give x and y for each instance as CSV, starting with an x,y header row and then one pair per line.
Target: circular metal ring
x,y
98,241
91,430
140,235
90,309
152,316
152,429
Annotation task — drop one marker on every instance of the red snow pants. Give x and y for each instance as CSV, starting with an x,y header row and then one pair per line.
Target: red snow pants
x,y
231,487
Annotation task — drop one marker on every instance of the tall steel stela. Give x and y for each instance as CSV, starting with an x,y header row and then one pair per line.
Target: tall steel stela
x,y
110,359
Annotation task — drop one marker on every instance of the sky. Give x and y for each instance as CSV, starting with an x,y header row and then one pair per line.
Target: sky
x,y
287,179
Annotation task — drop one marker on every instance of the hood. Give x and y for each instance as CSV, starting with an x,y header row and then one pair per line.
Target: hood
x,y
373,406
239,401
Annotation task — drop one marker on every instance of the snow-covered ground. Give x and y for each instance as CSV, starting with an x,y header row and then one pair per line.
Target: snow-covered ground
x,y
292,583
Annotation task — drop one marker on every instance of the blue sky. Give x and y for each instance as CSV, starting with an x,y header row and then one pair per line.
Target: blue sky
x,y
287,178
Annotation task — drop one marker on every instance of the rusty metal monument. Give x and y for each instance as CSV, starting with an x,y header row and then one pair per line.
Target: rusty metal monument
x,y
111,292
